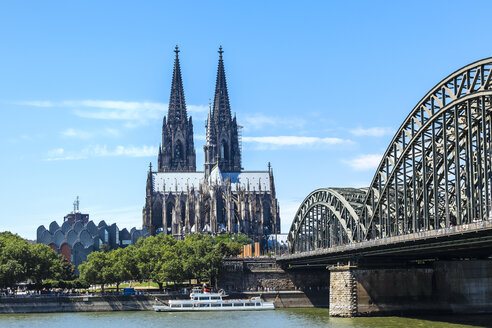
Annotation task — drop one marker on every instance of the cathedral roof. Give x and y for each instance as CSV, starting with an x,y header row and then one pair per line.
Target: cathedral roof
x,y
179,181
215,176
182,181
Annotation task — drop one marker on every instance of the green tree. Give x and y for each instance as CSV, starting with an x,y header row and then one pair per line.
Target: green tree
x,y
151,253
43,263
92,270
116,269
14,259
240,238
67,270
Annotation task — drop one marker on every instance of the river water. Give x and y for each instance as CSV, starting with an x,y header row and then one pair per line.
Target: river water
x,y
279,318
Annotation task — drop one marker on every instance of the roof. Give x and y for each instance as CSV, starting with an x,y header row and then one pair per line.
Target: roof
x,y
181,181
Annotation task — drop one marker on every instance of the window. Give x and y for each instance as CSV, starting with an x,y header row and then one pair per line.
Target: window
x,y
205,298
258,304
215,305
238,304
223,150
250,304
227,304
187,305
215,298
175,305
178,150
205,305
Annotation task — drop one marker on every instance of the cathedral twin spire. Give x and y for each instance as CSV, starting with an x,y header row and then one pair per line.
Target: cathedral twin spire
x,y
177,152
177,105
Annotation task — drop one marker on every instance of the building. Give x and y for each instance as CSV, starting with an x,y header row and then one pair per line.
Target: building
x,y
221,199
78,236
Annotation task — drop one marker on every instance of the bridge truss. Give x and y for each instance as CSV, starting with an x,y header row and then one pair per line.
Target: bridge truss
x,y
435,174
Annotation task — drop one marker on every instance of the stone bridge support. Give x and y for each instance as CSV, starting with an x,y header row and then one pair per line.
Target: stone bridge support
x,y
439,287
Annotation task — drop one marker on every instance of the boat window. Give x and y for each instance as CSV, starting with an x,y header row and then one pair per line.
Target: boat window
x,y
215,305
206,298
227,304
238,304
187,305
204,305
195,298
250,304
258,304
215,298
175,305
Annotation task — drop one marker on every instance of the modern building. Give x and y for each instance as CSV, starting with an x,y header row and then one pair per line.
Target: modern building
x,y
78,236
221,199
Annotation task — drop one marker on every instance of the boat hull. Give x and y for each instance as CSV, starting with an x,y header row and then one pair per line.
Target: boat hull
x,y
265,306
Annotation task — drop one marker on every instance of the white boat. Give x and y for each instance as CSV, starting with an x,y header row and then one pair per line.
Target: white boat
x,y
208,301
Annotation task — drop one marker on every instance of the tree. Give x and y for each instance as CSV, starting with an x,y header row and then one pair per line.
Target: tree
x,y
92,270
43,263
14,259
240,238
151,253
117,270
67,270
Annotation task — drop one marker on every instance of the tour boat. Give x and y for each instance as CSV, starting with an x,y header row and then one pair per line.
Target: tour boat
x,y
207,301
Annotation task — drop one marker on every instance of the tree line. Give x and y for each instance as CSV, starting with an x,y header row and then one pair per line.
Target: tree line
x,y
21,261
162,259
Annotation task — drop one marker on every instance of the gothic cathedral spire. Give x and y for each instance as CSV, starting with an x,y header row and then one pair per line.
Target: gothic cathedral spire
x,y
222,107
177,153
177,106
222,129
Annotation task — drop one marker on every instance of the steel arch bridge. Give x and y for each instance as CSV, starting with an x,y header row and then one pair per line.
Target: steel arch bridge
x,y
435,174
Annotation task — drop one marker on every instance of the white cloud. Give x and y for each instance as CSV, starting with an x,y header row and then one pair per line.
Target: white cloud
x,y
83,134
259,121
130,151
73,133
295,140
134,111
59,154
365,162
372,132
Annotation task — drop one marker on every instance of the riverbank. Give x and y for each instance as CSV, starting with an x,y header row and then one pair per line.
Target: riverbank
x,y
48,304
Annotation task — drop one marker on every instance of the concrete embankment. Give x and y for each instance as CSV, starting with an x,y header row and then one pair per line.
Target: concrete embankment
x,y
285,299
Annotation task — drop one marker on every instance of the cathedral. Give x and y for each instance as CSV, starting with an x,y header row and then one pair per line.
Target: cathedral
x,y
221,199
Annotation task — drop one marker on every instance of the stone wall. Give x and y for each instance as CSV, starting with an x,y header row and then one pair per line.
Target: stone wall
x,y
76,304
343,292
282,299
261,274
440,287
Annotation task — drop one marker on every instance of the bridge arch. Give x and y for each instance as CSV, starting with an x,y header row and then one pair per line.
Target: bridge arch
x,y
326,218
435,173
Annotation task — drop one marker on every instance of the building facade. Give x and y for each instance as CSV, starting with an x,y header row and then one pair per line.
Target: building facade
x,y
78,236
221,199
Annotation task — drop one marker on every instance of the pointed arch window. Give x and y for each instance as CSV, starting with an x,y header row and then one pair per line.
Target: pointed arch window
x,y
178,150
224,150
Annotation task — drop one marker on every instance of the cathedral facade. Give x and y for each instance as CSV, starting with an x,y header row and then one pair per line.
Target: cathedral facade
x,y
221,199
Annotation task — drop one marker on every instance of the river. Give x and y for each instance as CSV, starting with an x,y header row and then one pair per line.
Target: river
x,y
284,318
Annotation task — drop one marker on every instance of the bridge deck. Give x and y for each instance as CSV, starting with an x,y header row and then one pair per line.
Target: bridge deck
x,y
468,240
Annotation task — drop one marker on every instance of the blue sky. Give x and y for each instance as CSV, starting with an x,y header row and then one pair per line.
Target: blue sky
x,y
319,86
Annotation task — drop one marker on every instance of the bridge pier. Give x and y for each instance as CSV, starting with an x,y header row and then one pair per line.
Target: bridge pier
x,y
459,286
343,291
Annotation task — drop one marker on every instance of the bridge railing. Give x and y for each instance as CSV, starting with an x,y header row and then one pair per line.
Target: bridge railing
x,y
421,235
